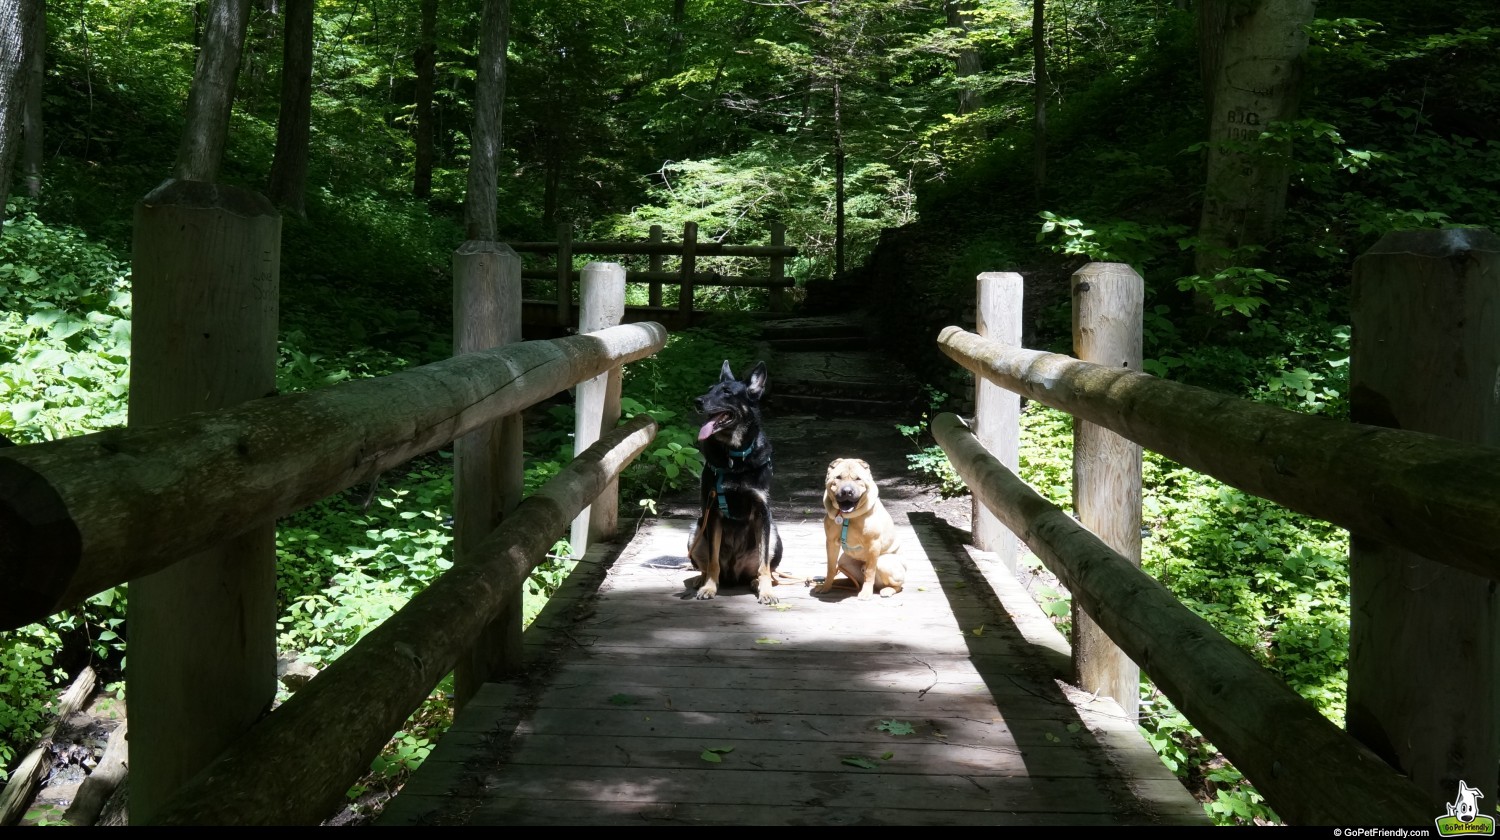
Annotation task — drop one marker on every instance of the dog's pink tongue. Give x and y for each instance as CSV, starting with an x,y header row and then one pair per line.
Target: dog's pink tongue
x,y
708,428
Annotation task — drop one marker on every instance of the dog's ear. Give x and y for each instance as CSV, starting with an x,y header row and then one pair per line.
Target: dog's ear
x,y
755,380
725,374
863,464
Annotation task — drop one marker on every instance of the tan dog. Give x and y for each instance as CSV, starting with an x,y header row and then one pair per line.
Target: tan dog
x,y
861,535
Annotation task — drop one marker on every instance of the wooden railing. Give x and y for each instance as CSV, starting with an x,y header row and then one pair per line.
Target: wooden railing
x,y
1434,498
687,276
170,492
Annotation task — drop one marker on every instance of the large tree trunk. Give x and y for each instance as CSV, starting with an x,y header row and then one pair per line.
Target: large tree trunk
x,y
17,18
1252,52
426,66
1039,71
967,62
212,96
31,125
288,186
489,102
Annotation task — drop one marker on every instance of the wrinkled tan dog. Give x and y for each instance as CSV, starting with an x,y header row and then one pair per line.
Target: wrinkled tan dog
x,y
861,536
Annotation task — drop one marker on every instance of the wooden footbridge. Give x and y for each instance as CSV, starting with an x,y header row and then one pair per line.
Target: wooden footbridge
x,y
952,703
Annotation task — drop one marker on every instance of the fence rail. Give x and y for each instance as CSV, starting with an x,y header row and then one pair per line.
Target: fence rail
x,y
84,514
1423,511
687,277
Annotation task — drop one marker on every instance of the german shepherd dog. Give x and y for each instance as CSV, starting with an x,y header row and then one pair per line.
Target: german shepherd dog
x,y
734,541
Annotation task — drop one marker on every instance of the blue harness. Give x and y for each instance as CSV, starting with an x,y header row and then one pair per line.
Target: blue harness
x,y
844,534
719,478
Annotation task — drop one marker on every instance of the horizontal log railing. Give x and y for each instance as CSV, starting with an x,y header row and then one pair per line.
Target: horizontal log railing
x,y
1311,771
80,515
1434,498
295,765
687,277
1434,495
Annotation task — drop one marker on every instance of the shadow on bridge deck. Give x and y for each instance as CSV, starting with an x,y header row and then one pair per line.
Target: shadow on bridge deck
x,y
633,681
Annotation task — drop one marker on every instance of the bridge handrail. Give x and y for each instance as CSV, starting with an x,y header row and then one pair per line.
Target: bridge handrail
x,y
1310,770
1430,494
294,766
83,514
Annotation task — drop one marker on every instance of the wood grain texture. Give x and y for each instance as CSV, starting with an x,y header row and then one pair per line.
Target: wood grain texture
x,y
1108,305
997,412
1426,358
631,685
1309,770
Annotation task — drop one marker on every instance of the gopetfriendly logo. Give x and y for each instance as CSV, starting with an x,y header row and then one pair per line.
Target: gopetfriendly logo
x,y
1463,818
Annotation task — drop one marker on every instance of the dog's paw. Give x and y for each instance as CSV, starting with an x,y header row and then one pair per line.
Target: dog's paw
x,y
865,594
768,599
823,588
887,592
706,591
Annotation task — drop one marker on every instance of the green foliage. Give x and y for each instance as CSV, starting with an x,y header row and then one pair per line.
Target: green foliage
x,y
26,682
930,459
64,332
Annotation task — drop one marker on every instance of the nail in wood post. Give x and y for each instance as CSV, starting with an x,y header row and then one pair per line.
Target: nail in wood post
x,y
601,304
205,323
1423,647
1108,308
488,468
778,266
654,292
564,274
689,265
997,411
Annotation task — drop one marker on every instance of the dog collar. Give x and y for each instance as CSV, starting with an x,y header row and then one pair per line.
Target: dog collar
x,y
844,534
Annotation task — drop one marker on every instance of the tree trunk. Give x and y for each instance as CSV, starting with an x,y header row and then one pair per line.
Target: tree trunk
x,y
1256,49
967,62
489,102
1039,71
288,186
211,99
838,177
17,18
426,65
31,126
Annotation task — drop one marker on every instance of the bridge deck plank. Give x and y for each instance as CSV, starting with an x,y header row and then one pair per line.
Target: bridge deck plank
x,y
632,686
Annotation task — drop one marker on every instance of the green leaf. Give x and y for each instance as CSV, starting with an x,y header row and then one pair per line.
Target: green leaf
x,y
896,727
623,700
710,756
768,641
887,756
859,761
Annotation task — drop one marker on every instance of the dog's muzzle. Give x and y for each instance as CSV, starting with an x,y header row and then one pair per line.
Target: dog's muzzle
x,y
847,497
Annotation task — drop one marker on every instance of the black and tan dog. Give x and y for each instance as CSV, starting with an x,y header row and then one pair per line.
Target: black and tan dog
x,y
734,542
860,534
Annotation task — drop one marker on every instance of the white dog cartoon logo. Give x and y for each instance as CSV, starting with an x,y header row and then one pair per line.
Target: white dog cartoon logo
x,y
1466,805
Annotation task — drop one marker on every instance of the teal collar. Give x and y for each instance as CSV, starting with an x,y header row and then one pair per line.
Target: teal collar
x,y
844,534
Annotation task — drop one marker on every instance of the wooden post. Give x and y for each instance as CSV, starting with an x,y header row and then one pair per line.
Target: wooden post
x,y
654,293
206,265
1423,647
997,412
488,466
778,267
601,305
564,274
1108,308
689,265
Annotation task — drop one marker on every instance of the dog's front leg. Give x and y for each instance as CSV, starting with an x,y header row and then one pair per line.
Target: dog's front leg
x,y
763,581
708,585
831,543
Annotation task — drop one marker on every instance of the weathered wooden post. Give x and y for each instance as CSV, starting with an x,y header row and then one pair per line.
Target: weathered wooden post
x,y
601,304
206,264
564,274
778,267
1108,308
997,412
488,466
689,265
1423,647
656,261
